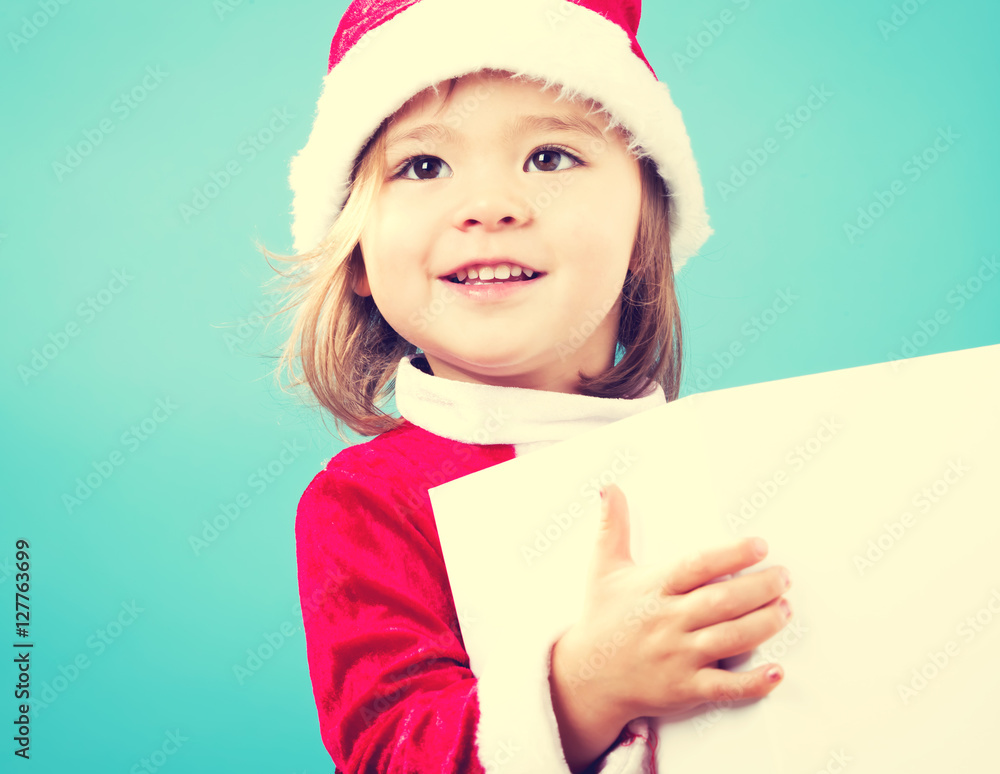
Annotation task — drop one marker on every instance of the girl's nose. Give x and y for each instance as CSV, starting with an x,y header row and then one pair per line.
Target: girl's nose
x,y
491,209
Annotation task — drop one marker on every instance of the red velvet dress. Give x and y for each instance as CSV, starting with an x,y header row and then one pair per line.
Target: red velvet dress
x,y
389,670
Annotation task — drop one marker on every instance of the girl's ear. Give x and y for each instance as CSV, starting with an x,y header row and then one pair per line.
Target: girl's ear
x,y
361,286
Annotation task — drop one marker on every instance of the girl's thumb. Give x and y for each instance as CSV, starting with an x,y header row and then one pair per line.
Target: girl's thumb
x,y
613,531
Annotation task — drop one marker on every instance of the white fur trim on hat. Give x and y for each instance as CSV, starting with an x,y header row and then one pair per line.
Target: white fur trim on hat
x,y
554,41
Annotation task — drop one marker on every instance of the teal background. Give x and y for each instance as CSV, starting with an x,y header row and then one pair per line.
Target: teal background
x,y
225,70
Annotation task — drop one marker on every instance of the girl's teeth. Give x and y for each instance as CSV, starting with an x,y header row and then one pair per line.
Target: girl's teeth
x,y
500,273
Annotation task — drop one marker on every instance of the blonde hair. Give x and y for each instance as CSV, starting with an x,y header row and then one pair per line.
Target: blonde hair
x,y
349,353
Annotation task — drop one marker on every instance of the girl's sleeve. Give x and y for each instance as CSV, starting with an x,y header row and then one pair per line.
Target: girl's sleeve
x,y
389,670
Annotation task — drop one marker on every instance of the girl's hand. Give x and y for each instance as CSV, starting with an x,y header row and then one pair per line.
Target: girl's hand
x,y
648,641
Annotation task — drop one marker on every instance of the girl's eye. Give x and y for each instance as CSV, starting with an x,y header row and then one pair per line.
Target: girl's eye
x,y
551,160
433,168
424,168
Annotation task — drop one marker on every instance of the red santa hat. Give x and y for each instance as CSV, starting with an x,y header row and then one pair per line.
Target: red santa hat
x,y
385,51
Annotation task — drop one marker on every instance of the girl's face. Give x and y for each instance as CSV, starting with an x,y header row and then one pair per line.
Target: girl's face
x,y
502,173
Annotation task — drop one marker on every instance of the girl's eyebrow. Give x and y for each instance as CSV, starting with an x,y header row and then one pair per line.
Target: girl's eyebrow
x,y
522,124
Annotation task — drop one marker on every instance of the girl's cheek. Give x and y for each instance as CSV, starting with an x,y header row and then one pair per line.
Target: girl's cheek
x,y
394,223
407,207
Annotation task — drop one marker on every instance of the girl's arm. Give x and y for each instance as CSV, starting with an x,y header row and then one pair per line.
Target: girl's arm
x,y
389,669
390,675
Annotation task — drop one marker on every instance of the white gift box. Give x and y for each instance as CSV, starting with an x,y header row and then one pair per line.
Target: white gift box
x,y
878,487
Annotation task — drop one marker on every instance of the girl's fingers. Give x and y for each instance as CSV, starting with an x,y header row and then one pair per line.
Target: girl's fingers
x,y
612,549
718,602
721,686
701,568
730,638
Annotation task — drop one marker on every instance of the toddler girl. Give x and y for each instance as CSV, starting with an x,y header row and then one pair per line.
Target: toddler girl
x,y
489,213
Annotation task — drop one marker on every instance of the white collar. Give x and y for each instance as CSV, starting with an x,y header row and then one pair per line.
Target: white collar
x,y
487,414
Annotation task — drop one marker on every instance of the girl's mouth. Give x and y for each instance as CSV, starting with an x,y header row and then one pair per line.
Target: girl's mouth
x,y
455,280
496,274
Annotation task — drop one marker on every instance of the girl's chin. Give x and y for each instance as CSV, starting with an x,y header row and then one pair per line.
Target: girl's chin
x,y
477,367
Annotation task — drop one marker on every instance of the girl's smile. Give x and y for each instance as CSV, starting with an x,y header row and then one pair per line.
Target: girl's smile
x,y
502,233
491,280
